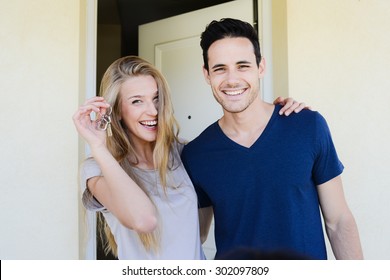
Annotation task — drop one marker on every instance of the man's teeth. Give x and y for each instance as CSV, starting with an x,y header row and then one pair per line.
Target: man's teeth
x,y
235,92
149,123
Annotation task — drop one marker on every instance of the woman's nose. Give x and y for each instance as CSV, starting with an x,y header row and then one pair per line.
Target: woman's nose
x,y
152,109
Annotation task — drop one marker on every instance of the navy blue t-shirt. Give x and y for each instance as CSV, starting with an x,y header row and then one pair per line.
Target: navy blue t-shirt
x,y
264,197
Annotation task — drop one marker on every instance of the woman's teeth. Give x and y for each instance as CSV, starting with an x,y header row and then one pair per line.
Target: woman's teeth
x,y
149,123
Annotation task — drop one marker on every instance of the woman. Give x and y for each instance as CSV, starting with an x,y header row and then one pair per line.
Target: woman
x,y
135,176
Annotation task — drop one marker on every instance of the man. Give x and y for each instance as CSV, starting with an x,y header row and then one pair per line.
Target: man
x,y
263,175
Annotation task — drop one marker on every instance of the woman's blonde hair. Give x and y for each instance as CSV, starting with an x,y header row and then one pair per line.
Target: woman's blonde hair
x,y
120,144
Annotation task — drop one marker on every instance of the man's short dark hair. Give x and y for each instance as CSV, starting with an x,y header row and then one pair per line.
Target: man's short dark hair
x,y
228,28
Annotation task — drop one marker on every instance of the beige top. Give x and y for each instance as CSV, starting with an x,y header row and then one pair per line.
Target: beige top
x,y
178,212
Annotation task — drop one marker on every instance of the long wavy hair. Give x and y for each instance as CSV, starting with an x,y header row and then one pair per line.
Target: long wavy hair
x,y
120,144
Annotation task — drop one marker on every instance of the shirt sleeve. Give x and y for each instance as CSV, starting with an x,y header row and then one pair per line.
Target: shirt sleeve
x,y
327,164
89,169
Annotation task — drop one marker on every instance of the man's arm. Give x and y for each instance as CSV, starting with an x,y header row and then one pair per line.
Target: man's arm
x,y
205,217
340,224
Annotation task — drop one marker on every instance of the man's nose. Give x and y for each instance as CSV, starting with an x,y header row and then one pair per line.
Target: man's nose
x,y
232,77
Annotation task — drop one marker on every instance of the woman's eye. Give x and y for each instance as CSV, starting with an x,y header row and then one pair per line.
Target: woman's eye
x,y
136,102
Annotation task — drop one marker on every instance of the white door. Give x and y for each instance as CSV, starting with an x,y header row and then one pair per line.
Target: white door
x,y
172,44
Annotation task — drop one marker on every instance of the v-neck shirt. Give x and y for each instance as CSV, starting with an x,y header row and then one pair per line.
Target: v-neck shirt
x,y
265,196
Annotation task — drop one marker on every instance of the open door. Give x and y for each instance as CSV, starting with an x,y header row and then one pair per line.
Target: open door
x,y
172,44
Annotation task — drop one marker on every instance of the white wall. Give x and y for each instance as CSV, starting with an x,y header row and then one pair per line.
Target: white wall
x,y
338,62
39,87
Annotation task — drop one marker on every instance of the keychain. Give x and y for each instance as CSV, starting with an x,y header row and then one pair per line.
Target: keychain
x,y
104,123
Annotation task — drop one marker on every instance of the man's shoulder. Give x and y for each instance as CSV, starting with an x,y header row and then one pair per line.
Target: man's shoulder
x,y
313,116
306,113
306,116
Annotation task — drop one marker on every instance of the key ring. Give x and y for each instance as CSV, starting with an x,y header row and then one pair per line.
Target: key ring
x,y
104,122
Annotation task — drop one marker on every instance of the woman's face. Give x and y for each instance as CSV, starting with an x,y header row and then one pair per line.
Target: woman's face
x,y
139,108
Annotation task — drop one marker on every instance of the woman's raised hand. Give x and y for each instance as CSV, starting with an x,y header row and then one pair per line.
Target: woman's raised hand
x,y
86,126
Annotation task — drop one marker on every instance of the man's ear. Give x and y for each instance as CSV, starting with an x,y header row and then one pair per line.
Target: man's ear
x,y
206,75
262,68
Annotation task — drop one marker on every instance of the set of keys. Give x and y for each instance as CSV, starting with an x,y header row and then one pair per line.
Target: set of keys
x,y
104,123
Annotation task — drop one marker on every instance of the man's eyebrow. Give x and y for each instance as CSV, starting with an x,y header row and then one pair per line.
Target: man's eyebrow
x,y
217,66
243,62
237,63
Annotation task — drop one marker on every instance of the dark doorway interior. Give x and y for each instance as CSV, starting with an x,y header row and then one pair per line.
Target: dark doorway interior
x,y
132,13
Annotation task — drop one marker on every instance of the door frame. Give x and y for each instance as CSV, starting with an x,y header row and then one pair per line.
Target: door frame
x,y
87,219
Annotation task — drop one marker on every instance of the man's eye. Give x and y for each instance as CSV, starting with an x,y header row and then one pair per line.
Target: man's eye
x,y
243,66
219,69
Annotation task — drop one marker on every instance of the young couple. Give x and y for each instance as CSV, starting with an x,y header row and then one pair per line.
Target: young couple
x,y
262,172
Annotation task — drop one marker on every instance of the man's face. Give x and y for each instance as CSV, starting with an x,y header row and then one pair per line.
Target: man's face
x,y
233,74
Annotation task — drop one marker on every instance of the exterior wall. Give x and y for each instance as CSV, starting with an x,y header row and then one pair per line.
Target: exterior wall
x,y
40,80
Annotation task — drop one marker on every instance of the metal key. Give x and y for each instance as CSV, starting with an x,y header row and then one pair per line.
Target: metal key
x,y
104,123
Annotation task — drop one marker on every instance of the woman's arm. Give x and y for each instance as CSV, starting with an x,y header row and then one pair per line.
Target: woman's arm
x,y
115,190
